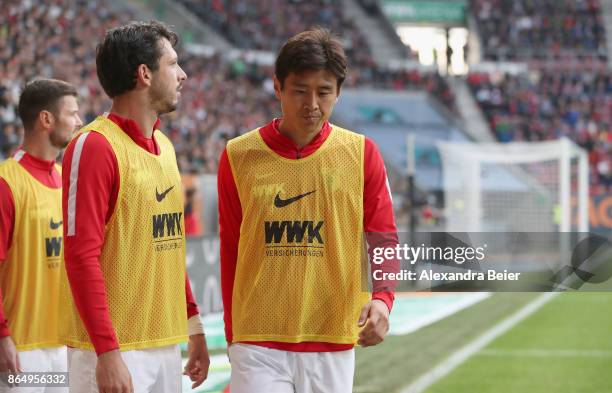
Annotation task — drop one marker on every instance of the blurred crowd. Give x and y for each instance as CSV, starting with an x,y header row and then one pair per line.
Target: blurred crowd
x,y
50,38
267,24
543,105
540,29
57,38
567,91
222,98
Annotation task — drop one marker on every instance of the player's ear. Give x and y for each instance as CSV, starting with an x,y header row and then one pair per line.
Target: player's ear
x,y
46,119
143,75
277,87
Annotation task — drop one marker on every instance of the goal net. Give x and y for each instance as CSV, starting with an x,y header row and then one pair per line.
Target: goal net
x,y
515,187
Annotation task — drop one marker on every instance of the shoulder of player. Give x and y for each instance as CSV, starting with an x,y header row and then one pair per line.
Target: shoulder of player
x,y
373,161
5,189
5,164
92,141
9,168
88,147
347,132
370,145
247,135
7,200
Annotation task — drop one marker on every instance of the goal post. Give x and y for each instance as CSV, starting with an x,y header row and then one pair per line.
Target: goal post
x,y
515,187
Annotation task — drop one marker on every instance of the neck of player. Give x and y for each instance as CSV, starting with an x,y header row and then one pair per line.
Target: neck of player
x,y
136,108
36,146
300,137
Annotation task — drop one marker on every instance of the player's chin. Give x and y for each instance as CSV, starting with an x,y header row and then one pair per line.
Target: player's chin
x,y
169,107
173,99
61,141
62,144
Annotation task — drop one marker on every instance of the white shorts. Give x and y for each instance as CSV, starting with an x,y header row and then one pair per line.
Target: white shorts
x,y
153,370
42,361
257,369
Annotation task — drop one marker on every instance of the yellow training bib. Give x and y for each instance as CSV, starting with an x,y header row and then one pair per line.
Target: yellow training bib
x,y
143,257
30,276
299,274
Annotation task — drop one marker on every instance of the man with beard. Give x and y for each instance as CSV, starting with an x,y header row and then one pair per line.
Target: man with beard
x,y
124,228
31,233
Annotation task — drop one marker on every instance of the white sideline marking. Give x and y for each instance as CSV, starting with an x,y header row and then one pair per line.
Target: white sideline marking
x,y
545,353
448,365
444,312
366,389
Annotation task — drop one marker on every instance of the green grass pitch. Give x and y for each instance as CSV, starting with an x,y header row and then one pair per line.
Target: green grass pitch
x,y
565,346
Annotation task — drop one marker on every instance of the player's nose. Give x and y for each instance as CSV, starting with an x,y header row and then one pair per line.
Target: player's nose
x,y
311,101
182,75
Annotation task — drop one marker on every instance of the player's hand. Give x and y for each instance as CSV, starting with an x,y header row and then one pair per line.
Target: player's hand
x,y
375,317
9,358
112,374
199,361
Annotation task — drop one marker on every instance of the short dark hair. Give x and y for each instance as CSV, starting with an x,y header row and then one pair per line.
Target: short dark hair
x,y
39,95
126,47
315,49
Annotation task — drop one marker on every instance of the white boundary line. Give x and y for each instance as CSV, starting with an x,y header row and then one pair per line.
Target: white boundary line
x,y
546,353
444,312
452,362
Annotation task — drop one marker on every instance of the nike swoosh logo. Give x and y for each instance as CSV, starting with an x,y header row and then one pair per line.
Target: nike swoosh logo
x,y
160,197
278,202
55,225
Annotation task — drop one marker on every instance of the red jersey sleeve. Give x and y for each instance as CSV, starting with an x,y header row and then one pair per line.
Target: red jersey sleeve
x,y
7,218
379,222
192,306
7,223
90,180
230,218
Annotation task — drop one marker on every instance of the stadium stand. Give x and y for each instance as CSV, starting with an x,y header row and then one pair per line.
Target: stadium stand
x,y
567,90
222,99
265,25
539,29
49,39
545,106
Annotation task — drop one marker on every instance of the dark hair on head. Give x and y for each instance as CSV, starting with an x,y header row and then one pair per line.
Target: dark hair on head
x,y
312,50
126,47
42,95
